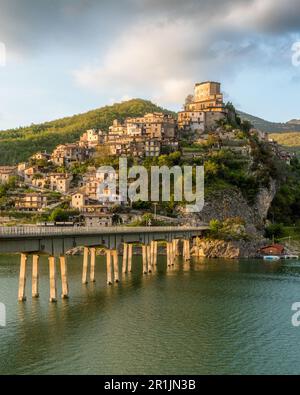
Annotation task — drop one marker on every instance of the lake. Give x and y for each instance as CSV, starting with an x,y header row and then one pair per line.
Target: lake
x,y
207,317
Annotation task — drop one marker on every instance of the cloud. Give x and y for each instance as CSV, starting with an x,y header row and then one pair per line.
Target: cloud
x,y
153,47
177,43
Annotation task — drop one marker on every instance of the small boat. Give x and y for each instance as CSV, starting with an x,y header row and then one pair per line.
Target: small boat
x,y
271,258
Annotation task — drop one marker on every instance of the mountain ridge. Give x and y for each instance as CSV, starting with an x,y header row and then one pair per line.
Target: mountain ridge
x,y
269,126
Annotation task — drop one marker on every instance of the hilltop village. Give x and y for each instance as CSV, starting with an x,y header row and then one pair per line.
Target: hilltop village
x,y
63,185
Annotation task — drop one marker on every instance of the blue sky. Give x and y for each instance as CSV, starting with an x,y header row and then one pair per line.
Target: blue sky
x,y
69,56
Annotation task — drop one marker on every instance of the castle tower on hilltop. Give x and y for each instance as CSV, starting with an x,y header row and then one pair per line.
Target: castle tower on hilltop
x,y
203,110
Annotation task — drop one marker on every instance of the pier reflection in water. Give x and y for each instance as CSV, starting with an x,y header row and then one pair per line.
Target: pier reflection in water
x,y
200,317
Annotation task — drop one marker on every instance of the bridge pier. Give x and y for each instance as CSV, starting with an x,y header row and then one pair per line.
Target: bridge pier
x,y
108,267
130,247
149,257
153,258
22,278
116,265
64,277
186,250
155,253
168,254
52,278
85,265
35,276
93,262
175,247
112,260
125,258
144,255
172,253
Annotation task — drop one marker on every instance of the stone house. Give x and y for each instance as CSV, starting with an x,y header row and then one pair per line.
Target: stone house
x,y
41,156
65,154
204,109
60,182
78,200
6,172
30,202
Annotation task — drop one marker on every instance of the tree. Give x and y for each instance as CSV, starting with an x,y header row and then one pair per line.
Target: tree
x,y
59,215
275,231
189,99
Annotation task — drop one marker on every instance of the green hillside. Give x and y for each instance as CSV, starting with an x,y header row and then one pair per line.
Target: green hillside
x,y
289,140
17,145
271,127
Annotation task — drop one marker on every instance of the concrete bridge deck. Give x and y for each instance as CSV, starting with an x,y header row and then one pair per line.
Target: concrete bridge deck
x,y
57,241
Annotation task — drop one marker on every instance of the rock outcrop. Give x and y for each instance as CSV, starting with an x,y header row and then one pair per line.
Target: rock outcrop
x,y
227,249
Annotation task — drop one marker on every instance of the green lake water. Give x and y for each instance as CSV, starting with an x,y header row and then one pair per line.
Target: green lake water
x,y
207,317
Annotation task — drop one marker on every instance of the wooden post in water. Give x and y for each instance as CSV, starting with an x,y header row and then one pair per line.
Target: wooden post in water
x,y
93,263
116,265
35,276
85,265
22,279
130,246
125,255
64,277
108,267
52,278
144,254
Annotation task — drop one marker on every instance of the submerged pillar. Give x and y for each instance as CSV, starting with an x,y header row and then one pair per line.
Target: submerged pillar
x,y
35,276
125,255
130,247
116,265
108,267
22,278
93,262
52,277
85,265
64,277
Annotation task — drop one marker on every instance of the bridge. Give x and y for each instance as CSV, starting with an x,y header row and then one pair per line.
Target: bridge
x,y
55,242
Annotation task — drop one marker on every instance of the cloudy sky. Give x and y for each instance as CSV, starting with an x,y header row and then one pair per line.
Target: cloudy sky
x,y
69,56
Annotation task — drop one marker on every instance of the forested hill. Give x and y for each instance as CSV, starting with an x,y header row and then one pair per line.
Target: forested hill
x,y
17,145
271,127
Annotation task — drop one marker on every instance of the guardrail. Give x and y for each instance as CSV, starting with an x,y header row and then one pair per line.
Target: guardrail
x,y
56,231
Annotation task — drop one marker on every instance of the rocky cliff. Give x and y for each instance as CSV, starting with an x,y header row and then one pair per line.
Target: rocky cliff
x,y
232,204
